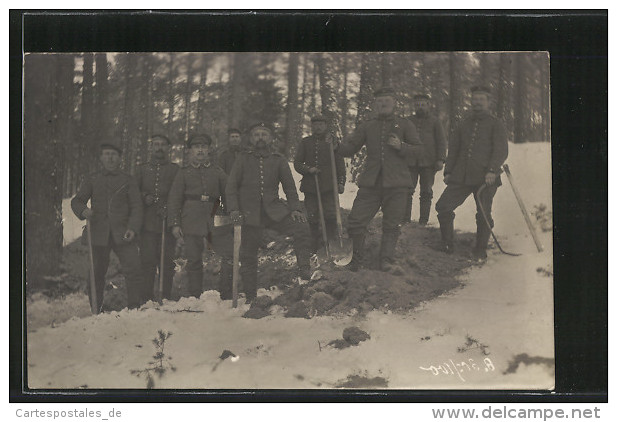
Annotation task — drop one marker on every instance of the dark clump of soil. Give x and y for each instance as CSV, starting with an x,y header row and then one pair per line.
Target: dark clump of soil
x,y
362,382
422,273
259,307
354,335
298,310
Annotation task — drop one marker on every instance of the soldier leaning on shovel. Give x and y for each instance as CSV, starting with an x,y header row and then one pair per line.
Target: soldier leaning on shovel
x,y
115,218
313,158
196,189
253,201
476,153
386,179
154,180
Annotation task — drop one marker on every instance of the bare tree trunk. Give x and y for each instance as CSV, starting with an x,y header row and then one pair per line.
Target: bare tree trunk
x,y
329,97
520,119
300,132
455,88
344,101
104,122
545,97
369,79
313,106
89,144
292,104
386,69
237,89
46,107
171,94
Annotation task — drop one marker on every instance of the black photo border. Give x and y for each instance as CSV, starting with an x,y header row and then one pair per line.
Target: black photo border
x,y
577,41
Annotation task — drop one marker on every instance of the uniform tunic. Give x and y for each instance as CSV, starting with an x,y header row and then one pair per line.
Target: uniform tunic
x,y
154,180
116,207
252,190
314,151
195,191
422,165
386,179
479,146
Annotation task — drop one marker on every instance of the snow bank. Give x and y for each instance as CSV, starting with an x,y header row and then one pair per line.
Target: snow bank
x,y
496,332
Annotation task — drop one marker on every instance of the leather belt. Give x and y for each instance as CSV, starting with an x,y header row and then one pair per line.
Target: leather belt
x,y
202,198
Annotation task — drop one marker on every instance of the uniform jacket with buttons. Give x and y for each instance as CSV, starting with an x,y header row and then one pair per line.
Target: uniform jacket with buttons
x,y
382,161
192,198
433,141
478,146
227,158
253,186
155,179
115,203
315,152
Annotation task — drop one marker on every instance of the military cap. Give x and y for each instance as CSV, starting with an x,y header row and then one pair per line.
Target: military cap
x,y
480,88
421,97
233,130
200,139
163,137
110,145
318,118
262,125
383,91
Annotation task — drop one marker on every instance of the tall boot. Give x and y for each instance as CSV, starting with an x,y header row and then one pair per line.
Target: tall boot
x,y
446,226
386,254
425,210
482,235
225,279
358,252
195,282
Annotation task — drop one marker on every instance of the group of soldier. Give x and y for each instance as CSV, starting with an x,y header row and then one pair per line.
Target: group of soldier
x,y
164,203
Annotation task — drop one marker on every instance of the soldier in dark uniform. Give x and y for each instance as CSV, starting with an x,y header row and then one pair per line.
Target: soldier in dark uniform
x,y
476,153
313,157
228,156
431,159
253,201
386,180
154,180
196,189
115,217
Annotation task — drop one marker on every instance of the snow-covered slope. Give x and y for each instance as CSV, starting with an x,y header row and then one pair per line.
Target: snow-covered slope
x,y
496,332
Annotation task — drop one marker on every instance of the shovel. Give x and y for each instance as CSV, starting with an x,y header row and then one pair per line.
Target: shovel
x,y
341,250
322,221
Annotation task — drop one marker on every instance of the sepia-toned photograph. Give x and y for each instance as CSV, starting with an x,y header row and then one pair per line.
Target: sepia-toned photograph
x,y
288,220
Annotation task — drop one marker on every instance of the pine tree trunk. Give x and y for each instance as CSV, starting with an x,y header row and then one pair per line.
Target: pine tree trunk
x,y
545,97
170,94
45,110
291,122
89,145
237,89
369,80
454,94
329,96
344,101
520,119
300,132
104,122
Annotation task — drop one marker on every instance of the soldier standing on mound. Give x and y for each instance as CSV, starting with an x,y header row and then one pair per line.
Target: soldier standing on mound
x,y
430,160
476,153
253,201
115,217
154,179
385,181
313,158
194,193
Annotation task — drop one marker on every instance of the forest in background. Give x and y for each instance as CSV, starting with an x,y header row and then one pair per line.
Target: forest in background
x,y
73,102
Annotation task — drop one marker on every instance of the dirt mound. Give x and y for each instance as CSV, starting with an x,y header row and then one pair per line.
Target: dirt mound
x,y
423,274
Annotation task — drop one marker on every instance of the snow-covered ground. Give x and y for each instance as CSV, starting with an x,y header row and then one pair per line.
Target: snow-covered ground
x,y
472,338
